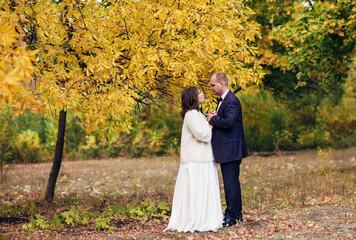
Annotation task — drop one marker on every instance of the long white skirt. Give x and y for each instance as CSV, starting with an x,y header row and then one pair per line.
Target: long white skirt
x,y
196,202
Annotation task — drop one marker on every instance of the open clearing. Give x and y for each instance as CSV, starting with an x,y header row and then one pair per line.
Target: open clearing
x,y
299,195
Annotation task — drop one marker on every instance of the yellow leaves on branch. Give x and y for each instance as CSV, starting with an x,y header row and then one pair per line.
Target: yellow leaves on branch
x,y
98,59
199,38
15,62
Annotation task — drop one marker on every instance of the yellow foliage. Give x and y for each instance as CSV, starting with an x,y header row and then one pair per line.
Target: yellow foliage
x,y
99,60
15,63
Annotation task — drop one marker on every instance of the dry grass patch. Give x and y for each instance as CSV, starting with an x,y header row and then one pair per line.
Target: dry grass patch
x,y
284,195
300,178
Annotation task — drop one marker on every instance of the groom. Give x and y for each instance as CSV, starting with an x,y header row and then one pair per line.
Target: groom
x,y
229,145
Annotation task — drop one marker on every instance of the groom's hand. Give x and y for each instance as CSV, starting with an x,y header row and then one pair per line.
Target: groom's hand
x,y
210,115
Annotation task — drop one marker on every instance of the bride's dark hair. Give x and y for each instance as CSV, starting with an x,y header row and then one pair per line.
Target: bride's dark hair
x,y
189,100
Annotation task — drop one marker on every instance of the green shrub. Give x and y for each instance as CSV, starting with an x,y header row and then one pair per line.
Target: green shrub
x,y
155,132
28,143
90,148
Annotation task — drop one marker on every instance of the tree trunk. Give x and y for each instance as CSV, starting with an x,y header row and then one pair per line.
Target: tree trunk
x,y
57,157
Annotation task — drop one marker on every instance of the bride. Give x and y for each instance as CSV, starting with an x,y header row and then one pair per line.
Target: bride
x,y
196,201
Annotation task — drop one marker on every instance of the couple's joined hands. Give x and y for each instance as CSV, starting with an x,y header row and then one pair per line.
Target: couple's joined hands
x,y
211,114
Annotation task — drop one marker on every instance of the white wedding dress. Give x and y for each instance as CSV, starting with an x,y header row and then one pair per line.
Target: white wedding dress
x,y
196,202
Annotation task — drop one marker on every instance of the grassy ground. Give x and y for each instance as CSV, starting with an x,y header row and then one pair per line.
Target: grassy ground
x,y
300,195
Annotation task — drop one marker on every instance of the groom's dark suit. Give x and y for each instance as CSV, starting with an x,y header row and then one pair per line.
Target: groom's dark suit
x,y
229,147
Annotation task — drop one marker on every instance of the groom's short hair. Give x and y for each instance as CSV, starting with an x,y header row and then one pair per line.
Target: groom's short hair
x,y
220,76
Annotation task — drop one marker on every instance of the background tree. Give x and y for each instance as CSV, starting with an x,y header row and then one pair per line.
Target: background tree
x,y
307,48
98,59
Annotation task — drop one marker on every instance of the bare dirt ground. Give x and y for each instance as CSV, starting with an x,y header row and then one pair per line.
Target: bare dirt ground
x,y
299,195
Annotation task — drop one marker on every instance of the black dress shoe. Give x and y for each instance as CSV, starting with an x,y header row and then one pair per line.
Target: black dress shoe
x,y
229,222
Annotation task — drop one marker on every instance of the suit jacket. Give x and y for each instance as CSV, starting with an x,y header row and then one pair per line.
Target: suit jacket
x,y
228,139
195,139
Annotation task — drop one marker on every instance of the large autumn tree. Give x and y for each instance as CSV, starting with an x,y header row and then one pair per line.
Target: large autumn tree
x,y
99,58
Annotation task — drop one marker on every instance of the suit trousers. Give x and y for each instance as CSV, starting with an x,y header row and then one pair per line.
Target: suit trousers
x,y
230,173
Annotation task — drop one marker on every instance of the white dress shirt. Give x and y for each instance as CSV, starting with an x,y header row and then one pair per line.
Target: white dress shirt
x,y
222,99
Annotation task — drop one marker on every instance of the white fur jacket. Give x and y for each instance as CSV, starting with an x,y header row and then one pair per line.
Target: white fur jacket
x,y
195,140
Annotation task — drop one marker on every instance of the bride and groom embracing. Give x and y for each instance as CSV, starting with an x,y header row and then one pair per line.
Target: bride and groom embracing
x,y
196,202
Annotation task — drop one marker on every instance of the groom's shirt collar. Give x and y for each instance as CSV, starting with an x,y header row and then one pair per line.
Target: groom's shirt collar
x,y
224,95
222,99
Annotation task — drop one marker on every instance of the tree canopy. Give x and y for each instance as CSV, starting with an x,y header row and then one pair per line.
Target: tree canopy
x,y
104,57
306,47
